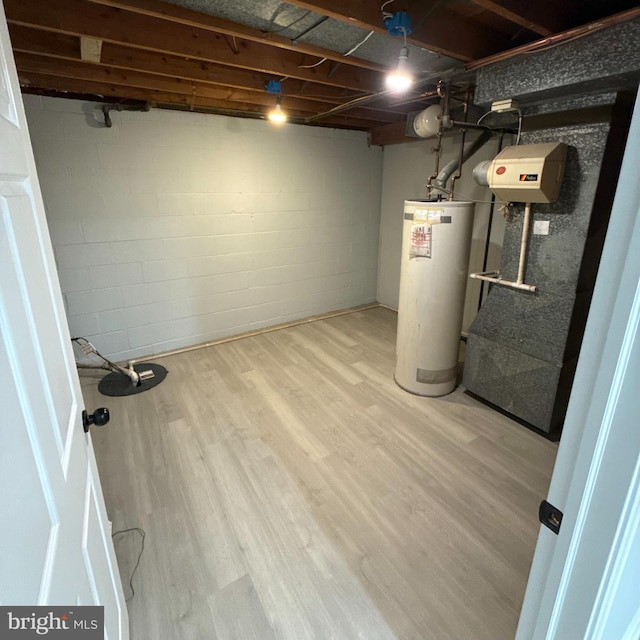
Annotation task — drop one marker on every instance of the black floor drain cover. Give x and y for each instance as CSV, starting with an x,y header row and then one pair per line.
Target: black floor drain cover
x,y
119,384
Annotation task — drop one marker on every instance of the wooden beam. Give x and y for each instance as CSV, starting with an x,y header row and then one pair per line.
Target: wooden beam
x,y
543,16
90,49
72,17
28,40
41,65
444,31
390,134
42,83
181,15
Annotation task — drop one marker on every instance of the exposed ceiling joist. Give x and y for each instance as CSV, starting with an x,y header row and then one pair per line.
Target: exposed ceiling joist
x,y
28,40
390,134
160,51
120,27
91,89
543,17
77,70
442,31
181,15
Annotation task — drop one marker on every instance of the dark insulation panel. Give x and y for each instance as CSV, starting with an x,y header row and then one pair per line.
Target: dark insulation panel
x,y
523,347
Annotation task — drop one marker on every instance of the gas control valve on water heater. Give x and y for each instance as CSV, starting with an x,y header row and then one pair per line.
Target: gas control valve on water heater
x,y
436,241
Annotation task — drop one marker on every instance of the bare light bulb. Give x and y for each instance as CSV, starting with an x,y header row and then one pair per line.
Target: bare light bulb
x,y
400,79
277,115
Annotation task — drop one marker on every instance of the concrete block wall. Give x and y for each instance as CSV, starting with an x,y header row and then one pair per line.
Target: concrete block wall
x,y
172,228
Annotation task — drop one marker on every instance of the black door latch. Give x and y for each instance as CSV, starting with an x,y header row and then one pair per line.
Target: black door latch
x,y
99,417
550,516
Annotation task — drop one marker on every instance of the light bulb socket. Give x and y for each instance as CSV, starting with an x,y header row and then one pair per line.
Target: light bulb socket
x,y
400,79
277,115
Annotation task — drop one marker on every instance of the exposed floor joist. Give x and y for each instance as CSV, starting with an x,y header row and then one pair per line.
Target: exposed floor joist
x,y
32,63
443,31
83,89
119,27
164,52
180,15
543,22
61,48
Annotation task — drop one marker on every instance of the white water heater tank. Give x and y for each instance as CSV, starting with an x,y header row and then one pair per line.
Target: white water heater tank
x,y
436,242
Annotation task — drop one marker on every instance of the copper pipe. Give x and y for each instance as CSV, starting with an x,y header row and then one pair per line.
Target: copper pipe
x,y
531,47
468,100
347,105
425,95
570,34
437,149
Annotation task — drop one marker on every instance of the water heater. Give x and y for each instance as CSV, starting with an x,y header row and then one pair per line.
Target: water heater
x,y
436,242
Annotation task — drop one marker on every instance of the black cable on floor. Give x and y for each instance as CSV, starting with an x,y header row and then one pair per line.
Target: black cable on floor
x,y
143,535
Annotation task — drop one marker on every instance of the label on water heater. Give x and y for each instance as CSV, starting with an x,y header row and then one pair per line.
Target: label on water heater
x,y
420,241
436,216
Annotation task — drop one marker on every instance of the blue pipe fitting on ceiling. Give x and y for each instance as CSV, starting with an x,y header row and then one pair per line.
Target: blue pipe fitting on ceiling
x,y
274,87
399,24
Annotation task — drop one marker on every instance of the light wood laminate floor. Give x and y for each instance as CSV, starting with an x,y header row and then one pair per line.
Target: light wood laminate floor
x,y
290,490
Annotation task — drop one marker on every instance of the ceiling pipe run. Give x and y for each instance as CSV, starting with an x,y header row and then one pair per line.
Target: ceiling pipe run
x,y
532,47
558,38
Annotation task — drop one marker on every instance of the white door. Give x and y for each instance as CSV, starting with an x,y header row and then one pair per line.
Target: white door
x,y
55,544
585,582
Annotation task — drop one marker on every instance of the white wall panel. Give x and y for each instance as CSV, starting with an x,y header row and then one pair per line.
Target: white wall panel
x,y
175,228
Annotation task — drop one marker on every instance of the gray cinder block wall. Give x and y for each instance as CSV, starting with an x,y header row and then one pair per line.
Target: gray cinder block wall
x,y
523,347
171,229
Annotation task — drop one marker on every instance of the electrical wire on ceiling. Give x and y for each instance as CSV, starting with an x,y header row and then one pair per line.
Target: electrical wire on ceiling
x,y
347,105
233,44
543,45
519,127
348,53
404,36
311,66
386,14
354,49
304,33
319,96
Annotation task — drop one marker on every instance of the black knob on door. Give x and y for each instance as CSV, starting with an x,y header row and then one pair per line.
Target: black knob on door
x,y
99,417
